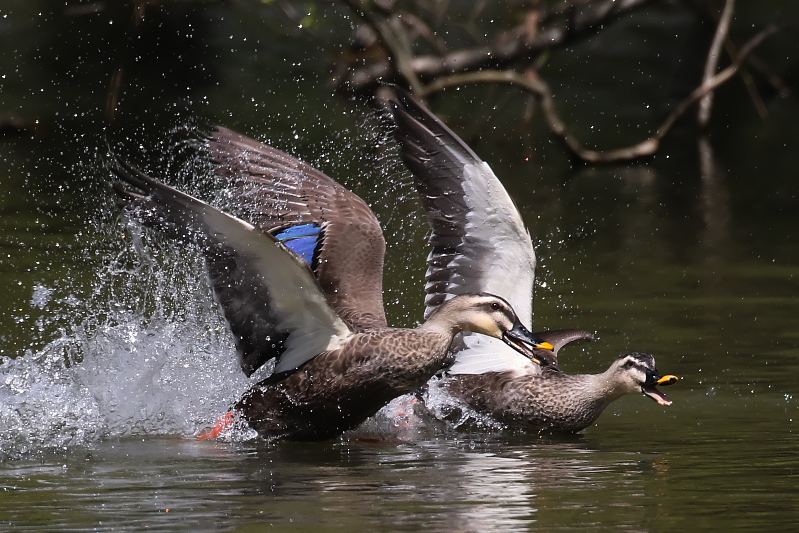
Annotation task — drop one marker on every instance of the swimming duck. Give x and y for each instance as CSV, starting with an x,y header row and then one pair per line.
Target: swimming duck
x,y
479,242
554,400
301,283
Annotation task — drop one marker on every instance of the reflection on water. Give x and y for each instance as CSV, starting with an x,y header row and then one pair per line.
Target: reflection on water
x,y
448,485
454,484
713,203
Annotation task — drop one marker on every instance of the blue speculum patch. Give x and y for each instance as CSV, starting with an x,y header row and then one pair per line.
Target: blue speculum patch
x,y
302,240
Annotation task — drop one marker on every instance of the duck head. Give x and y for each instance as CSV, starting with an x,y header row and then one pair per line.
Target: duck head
x,y
637,371
493,316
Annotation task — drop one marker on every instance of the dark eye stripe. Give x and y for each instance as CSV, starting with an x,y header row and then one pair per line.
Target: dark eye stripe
x,y
634,363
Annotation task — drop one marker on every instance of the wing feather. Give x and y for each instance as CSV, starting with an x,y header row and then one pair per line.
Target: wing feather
x,y
269,296
479,242
276,191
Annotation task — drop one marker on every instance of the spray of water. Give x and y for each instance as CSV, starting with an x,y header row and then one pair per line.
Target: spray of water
x,y
142,351
139,346
443,406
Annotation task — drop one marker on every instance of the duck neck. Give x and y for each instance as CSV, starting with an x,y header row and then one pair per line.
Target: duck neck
x,y
441,323
604,387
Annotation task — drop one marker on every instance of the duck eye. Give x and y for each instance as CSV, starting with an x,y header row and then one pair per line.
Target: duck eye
x,y
495,306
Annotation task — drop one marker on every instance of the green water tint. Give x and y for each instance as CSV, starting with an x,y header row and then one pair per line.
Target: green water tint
x,y
696,264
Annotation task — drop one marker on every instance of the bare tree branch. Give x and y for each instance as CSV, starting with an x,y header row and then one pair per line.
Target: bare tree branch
x,y
424,30
713,55
392,34
537,86
515,45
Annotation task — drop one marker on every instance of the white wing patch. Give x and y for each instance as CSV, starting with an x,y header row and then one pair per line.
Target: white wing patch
x,y
486,354
481,244
493,224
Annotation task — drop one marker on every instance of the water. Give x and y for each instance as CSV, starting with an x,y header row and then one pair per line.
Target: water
x,y
115,357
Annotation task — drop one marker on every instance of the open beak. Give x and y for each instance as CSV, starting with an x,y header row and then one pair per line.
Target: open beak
x,y
520,339
650,387
653,392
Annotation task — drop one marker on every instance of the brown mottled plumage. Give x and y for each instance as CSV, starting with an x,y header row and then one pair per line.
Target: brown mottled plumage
x,y
338,390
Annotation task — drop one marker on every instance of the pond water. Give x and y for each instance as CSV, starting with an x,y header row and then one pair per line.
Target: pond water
x,y
114,355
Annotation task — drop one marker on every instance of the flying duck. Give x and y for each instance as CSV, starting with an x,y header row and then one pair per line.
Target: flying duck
x,y
479,243
300,283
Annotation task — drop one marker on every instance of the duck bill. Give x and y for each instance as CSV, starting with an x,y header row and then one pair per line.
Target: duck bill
x,y
520,339
650,387
668,380
653,392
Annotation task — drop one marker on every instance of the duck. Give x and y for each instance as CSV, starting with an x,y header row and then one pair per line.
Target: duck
x,y
300,286
554,400
478,242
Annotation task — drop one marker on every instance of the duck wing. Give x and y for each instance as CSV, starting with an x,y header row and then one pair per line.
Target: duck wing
x,y
268,294
478,354
559,338
479,242
292,200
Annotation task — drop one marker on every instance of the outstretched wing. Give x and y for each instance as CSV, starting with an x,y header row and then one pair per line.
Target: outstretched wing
x,y
286,197
269,296
479,242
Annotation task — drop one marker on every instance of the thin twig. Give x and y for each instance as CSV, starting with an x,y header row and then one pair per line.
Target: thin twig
x,y
713,55
423,30
745,75
748,80
394,38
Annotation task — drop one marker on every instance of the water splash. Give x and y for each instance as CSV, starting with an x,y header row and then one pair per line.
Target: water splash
x,y
132,345
142,351
43,406
443,406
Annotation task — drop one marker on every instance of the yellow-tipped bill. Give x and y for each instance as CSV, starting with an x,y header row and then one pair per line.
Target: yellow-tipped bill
x,y
668,380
